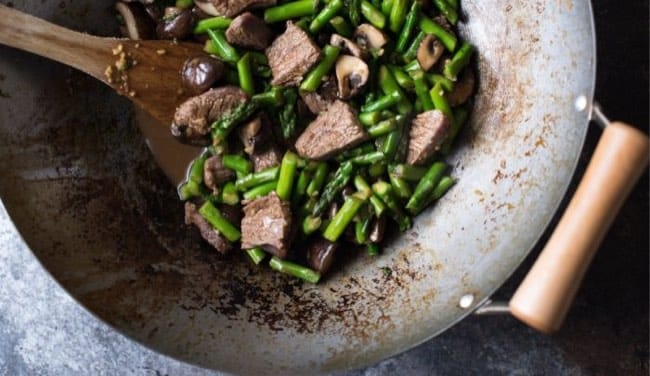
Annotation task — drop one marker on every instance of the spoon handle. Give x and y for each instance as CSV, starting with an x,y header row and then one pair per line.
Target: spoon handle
x,y
85,52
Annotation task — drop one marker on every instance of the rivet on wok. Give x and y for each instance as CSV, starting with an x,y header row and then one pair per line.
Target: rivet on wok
x,y
466,301
581,103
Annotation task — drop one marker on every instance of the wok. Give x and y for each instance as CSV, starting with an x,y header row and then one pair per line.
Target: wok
x,y
85,193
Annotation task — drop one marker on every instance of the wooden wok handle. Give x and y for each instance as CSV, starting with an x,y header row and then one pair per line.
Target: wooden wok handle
x,y
545,295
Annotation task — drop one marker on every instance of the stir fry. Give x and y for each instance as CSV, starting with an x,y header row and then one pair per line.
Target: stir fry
x,y
324,123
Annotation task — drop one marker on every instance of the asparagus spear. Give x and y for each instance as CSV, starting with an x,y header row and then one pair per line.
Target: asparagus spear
x,y
245,74
326,14
341,177
341,26
372,14
425,187
447,10
409,172
430,27
398,15
287,11
458,61
385,192
260,190
343,217
257,178
362,186
237,163
206,24
313,79
316,184
409,25
256,255
229,194
294,269
287,173
221,46
212,215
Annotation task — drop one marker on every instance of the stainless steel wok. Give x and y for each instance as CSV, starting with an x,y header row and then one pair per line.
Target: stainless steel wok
x,y
85,193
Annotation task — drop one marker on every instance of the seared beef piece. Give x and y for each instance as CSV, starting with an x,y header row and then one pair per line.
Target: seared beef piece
x,y
291,55
428,131
319,100
463,89
320,254
268,157
212,236
267,224
249,31
214,174
334,130
193,117
231,8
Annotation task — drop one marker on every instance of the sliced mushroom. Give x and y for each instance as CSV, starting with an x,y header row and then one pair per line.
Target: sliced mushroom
x,y
429,52
177,23
377,230
320,254
137,24
200,73
347,45
352,74
370,39
463,89
208,7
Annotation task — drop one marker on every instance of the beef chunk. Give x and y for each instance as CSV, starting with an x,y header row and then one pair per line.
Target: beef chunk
x,y
291,55
214,173
231,8
334,130
428,131
193,117
320,254
267,224
319,100
249,31
268,157
212,236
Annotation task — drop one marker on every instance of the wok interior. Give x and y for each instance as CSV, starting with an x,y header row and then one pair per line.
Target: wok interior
x,y
84,192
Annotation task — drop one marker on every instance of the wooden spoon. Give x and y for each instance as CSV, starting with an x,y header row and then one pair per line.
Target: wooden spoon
x,y
147,71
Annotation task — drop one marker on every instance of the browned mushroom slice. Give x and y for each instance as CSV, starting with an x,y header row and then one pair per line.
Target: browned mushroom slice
x,y
347,45
429,52
320,254
463,89
351,74
231,8
177,23
371,39
137,23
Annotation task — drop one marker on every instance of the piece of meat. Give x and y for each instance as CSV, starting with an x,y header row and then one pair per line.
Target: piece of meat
x,y
318,101
193,117
334,130
428,131
320,254
212,236
231,8
267,157
267,224
249,31
291,55
214,173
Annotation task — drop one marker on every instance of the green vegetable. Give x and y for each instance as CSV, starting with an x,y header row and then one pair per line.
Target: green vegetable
x,y
412,50
458,61
256,255
287,116
398,15
369,158
229,194
362,186
294,269
389,86
343,217
385,192
257,178
313,79
382,128
237,163
400,187
354,12
385,102
316,184
311,224
206,24
222,48
372,14
373,249
341,177
409,26
440,102
341,26
425,187
287,173
446,38
326,14
409,172
287,11
221,224
447,10
245,74
370,118
260,190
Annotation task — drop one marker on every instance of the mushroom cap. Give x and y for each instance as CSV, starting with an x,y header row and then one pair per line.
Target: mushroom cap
x,y
347,45
138,24
351,74
370,39
429,52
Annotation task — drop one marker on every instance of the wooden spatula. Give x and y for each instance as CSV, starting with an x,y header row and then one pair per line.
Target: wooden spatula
x,y
147,72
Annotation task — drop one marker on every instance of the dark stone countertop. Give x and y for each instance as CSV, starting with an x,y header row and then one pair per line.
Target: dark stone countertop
x,y
606,332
